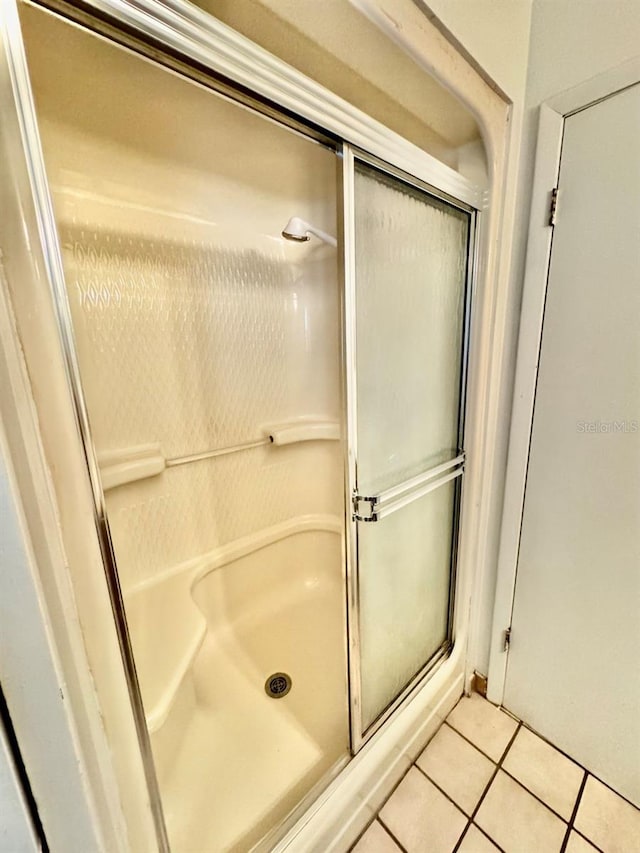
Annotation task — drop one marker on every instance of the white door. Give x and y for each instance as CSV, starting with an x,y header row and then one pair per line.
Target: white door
x,y
574,661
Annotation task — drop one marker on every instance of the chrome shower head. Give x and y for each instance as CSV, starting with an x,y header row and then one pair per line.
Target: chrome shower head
x,y
300,231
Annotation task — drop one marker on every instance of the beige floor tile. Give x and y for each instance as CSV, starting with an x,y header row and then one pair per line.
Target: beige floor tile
x,y
516,821
376,840
489,728
421,817
457,767
475,842
544,771
608,820
577,844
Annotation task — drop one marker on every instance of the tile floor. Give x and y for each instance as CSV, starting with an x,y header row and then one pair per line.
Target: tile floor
x,y
486,783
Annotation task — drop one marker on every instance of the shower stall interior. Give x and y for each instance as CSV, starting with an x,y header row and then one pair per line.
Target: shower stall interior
x,y
267,333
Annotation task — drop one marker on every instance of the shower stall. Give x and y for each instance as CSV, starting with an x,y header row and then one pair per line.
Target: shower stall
x,y
266,333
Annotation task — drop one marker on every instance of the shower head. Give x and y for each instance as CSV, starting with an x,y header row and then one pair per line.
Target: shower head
x,y
297,230
300,231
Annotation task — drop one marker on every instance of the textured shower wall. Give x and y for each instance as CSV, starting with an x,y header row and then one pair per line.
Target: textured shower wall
x,y
196,324
196,345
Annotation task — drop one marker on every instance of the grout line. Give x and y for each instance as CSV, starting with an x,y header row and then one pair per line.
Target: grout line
x,y
588,840
574,812
475,746
497,769
364,832
391,836
404,849
385,828
461,839
550,743
535,796
488,837
384,803
442,791
577,763
393,790
377,814
613,790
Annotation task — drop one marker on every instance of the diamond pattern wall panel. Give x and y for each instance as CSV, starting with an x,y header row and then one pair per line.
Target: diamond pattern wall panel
x,y
183,342
196,343
192,509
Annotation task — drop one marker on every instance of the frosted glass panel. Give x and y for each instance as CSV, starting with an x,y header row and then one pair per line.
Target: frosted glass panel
x,y
404,595
411,271
411,261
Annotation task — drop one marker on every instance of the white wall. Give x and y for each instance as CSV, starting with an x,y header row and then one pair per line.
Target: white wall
x,y
532,51
571,41
496,35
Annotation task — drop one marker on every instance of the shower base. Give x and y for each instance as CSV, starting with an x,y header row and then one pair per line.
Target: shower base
x,y
233,761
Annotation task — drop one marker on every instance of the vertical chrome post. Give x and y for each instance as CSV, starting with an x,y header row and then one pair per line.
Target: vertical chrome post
x,y
470,282
350,399
48,237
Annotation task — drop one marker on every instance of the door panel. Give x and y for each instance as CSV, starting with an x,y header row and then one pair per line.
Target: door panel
x,y
575,641
411,262
404,595
411,265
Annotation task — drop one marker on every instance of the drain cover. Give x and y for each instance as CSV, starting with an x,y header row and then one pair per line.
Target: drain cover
x,y
278,685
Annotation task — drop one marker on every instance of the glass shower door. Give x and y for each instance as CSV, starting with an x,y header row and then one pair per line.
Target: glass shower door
x,y
408,314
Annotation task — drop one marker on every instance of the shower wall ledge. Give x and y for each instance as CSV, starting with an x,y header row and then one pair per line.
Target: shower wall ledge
x,y
167,626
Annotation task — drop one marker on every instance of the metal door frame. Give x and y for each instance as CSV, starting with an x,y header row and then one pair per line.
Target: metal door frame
x,y
429,480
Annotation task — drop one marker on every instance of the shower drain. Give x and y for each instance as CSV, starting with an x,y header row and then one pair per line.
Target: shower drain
x,y
278,685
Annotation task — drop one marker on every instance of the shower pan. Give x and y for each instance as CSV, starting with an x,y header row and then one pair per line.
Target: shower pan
x,y
273,419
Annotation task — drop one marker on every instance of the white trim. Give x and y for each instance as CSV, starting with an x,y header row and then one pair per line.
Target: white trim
x,y
538,254
198,36
601,86
40,704
80,800
551,126
334,821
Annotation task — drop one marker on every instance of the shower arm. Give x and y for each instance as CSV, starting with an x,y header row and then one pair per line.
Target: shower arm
x,y
322,235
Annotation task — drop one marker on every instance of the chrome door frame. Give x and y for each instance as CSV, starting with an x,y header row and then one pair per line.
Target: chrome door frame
x,y
47,236
451,471
185,40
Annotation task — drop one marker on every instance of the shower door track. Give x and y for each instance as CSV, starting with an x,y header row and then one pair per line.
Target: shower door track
x,y
189,42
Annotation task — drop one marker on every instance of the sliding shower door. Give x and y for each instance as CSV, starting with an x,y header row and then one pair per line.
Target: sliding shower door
x,y
407,300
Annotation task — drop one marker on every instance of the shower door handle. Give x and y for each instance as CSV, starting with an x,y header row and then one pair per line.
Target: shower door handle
x,y
393,499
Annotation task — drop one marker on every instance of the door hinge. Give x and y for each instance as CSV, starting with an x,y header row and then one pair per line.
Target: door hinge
x,y
506,639
553,206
